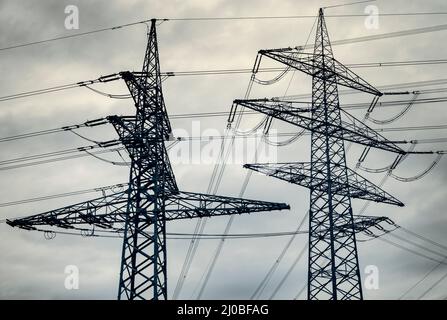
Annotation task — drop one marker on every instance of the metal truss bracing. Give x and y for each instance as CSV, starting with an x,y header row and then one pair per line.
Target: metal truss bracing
x,y
333,267
109,213
301,173
143,262
333,270
152,197
366,223
350,129
306,62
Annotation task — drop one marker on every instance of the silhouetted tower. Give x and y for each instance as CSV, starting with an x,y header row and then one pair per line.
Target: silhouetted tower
x,y
152,198
333,267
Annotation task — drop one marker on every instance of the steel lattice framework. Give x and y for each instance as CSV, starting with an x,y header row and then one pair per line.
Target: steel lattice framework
x,y
333,267
140,212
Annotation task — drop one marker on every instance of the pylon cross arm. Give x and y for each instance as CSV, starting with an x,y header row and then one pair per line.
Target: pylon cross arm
x,y
361,224
109,212
184,205
300,173
365,223
104,212
309,63
350,129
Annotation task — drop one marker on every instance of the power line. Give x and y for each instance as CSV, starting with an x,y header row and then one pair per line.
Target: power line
x,y
38,92
70,128
261,287
300,291
439,262
73,35
396,86
424,238
418,245
411,251
247,176
207,73
39,159
219,171
337,42
289,271
388,35
347,15
347,4
224,113
188,236
210,138
70,157
102,79
432,287
436,266
60,195
276,69
23,162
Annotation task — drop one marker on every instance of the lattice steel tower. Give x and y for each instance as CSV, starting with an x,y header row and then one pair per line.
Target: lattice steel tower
x,y
152,196
333,266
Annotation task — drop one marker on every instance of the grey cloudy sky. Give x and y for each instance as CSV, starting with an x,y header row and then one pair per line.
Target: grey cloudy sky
x,y
33,268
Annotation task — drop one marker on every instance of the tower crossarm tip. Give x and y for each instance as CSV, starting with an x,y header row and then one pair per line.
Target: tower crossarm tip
x,y
102,213
188,205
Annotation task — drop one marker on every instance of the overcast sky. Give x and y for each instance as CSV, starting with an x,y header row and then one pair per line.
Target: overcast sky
x,y
33,268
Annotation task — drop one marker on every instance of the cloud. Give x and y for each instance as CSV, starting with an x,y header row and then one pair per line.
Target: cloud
x,y
33,268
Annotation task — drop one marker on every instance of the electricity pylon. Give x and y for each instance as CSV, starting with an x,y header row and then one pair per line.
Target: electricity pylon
x,y
333,267
152,198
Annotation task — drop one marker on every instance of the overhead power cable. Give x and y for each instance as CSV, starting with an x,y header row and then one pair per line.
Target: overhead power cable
x,y
247,176
126,25
411,251
422,174
436,266
214,184
388,35
113,77
188,236
432,286
264,282
89,123
62,158
69,154
223,113
407,241
61,195
431,241
347,4
396,86
289,271
102,79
